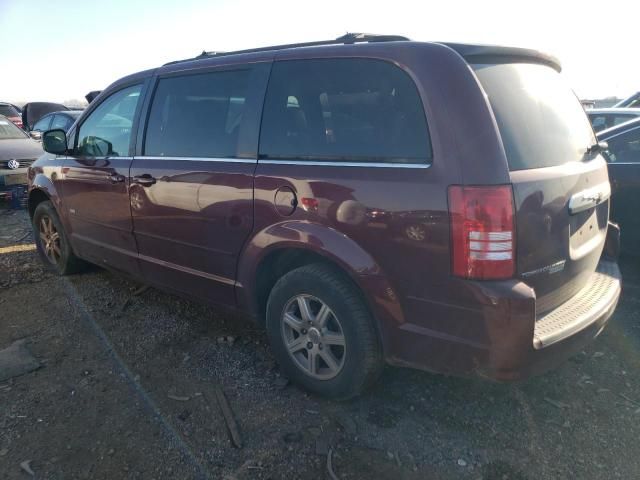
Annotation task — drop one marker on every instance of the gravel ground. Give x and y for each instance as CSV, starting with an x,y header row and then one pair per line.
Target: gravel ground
x,y
127,389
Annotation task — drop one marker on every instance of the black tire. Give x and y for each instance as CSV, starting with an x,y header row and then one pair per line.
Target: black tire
x,y
361,360
64,262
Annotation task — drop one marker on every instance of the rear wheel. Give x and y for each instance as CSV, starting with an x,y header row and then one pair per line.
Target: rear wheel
x,y
321,332
51,241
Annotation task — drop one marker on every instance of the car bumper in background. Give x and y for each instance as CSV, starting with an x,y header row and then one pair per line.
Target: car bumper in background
x,y
10,178
13,182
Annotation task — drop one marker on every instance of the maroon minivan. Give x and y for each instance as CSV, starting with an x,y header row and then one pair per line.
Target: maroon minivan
x,y
368,199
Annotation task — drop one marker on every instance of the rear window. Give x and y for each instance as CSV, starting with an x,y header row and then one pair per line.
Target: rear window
x,y
354,110
541,122
8,111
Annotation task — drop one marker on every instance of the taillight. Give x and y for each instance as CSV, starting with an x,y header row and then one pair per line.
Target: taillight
x,y
482,231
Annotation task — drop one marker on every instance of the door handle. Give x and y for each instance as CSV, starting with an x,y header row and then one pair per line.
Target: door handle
x,y
116,178
145,180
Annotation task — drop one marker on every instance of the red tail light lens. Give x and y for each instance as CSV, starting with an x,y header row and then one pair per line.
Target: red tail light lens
x,y
482,232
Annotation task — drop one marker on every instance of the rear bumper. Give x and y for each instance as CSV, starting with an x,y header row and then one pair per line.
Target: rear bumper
x,y
508,342
593,303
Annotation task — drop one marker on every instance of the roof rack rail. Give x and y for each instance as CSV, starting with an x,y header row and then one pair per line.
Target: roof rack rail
x,y
346,39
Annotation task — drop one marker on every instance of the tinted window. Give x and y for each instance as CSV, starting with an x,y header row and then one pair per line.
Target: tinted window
x,y
625,148
61,121
8,111
197,115
343,109
618,119
541,121
598,122
107,130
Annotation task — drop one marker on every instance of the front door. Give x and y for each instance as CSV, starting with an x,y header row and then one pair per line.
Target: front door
x,y
192,186
95,183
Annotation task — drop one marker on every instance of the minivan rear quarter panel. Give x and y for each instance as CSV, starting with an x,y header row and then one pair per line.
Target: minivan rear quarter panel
x,y
416,265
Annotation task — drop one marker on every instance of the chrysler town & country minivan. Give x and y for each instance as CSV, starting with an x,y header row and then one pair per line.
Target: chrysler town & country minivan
x,y
368,199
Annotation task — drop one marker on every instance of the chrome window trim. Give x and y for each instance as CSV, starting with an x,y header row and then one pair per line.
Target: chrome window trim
x,y
346,164
289,162
69,157
606,139
198,159
623,163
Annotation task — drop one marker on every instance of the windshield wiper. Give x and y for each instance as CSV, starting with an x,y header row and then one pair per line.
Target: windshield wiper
x,y
597,147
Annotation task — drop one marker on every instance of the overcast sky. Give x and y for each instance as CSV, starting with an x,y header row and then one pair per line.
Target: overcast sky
x,y
60,50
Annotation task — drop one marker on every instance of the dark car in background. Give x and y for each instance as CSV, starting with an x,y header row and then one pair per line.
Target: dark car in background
x,y
55,120
366,199
603,118
17,152
623,157
34,111
11,112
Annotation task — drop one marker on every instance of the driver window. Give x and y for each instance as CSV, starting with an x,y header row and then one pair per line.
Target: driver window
x,y
107,130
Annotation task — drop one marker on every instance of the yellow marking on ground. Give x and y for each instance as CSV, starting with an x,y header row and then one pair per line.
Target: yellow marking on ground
x,y
18,248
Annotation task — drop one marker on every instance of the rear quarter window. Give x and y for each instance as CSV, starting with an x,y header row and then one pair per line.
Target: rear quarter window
x,y
541,121
352,110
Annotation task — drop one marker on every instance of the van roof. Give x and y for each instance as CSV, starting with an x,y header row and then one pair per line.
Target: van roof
x,y
473,53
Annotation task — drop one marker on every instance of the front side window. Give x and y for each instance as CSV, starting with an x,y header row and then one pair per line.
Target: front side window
x,y
354,110
42,124
625,148
197,115
107,130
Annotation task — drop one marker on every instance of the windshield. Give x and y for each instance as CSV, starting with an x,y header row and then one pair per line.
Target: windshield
x,y
8,111
9,131
541,121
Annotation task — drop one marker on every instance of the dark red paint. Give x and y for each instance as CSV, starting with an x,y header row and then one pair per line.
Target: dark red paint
x,y
203,228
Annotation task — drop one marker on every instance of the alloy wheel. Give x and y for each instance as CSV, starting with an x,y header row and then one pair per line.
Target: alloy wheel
x,y
314,337
50,239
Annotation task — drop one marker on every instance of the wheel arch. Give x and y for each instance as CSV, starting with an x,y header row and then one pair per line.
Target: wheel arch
x,y
36,197
41,189
281,248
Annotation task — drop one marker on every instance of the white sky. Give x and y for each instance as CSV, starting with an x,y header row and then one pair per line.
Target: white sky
x,y
60,50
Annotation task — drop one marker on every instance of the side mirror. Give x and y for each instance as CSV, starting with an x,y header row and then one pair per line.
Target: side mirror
x,y
36,135
54,141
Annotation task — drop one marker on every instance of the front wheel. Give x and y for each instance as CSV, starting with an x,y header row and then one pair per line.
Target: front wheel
x,y
51,241
322,333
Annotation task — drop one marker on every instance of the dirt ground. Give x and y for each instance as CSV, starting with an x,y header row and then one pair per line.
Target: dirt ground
x,y
127,390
